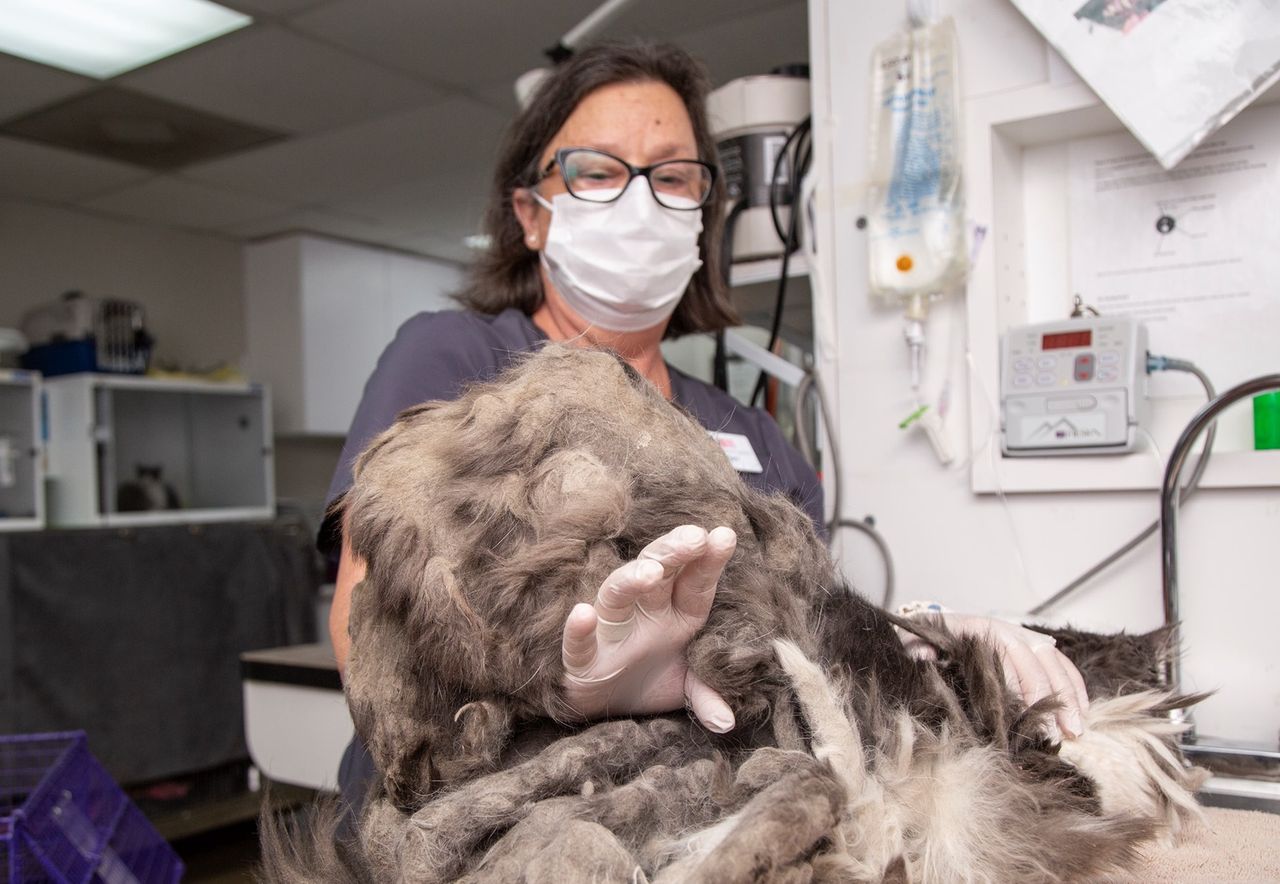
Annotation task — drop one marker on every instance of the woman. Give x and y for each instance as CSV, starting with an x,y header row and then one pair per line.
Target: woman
x,y
605,219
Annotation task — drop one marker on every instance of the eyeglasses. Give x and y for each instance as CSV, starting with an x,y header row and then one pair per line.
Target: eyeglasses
x,y
599,177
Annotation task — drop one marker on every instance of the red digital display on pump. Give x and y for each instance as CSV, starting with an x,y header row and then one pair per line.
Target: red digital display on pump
x,y
1062,340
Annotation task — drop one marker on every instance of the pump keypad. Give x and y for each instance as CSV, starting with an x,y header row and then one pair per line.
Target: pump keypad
x,y
1048,371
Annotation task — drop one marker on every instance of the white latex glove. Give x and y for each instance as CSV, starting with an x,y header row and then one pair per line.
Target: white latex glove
x,y
1033,667
626,653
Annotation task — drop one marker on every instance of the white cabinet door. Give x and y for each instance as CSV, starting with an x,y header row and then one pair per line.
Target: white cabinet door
x,y
417,284
320,313
344,307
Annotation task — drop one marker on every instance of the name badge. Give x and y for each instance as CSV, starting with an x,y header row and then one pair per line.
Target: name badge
x,y
738,449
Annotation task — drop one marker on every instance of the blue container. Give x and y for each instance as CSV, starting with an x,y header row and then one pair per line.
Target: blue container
x,y
62,357
63,819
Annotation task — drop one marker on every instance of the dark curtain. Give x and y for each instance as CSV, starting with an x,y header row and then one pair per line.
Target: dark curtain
x,y
134,635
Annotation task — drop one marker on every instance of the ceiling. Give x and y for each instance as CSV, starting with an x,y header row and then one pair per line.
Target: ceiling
x,y
388,112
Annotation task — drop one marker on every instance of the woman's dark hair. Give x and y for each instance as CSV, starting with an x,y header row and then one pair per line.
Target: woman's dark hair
x,y
506,275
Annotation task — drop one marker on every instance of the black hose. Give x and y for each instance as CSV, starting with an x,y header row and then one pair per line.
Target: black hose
x,y
799,145
1169,496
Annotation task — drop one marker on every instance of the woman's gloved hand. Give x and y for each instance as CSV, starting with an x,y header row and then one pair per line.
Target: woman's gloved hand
x,y
1033,667
625,654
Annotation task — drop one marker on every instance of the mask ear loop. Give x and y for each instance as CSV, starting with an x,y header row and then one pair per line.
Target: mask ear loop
x,y
531,239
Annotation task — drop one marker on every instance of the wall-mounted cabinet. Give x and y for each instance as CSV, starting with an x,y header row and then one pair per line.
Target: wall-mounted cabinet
x,y
134,451
319,312
21,456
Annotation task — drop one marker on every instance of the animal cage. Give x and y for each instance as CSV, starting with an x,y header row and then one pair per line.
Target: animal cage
x,y
63,820
21,458
127,451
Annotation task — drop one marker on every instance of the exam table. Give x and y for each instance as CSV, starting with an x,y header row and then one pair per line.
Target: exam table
x,y
297,726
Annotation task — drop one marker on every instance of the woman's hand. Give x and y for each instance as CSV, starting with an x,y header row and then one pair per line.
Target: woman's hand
x,y
625,654
1033,666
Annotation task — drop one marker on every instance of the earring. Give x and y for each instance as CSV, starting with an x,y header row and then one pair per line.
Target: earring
x,y
533,239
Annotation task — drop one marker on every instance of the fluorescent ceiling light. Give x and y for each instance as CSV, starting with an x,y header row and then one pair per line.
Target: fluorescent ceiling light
x,y
102,38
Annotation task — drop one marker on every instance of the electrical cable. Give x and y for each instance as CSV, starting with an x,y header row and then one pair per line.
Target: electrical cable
x,y
800,142
775,328
720,361
799,146
878,539
800,420
811,385
1154,363
797,135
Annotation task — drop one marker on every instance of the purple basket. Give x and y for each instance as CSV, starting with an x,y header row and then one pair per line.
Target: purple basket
x,y
63,820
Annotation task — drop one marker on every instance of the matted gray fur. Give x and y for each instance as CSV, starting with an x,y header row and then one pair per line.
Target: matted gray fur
x,y
484,520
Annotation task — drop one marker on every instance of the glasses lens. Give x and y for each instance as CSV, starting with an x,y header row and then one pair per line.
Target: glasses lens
x,y
594,176
681,184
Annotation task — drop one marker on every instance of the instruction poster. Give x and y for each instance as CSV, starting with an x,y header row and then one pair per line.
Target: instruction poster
x,y
1192,252
1173,71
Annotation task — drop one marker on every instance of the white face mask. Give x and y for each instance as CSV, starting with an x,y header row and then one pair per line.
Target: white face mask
x,y
622,266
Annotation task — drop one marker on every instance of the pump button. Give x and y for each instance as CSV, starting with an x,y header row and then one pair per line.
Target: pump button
x,y
1084,367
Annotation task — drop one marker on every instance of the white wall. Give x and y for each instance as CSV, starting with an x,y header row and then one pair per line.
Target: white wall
x,y
987,552
189,284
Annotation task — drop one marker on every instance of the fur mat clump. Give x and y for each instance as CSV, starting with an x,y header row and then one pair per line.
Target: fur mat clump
x,y
484,520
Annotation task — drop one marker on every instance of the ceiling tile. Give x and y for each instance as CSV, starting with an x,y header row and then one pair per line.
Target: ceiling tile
x,y
459,42
433,246
272,8
456,135
172,201
25,85
445,202
271,77
330,223
670,19
750,44
120,124
383,155
500,96
730,43
51,174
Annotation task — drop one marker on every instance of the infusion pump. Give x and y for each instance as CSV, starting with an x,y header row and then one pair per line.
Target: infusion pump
x,y
1076,386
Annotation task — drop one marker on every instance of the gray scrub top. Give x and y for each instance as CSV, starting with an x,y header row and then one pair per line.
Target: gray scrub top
x,y
437,355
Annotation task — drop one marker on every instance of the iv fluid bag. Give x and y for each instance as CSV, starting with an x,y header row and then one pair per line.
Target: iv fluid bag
x,y
915,222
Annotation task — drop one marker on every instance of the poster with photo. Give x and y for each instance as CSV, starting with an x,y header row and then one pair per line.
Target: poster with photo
x,y
1173,71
